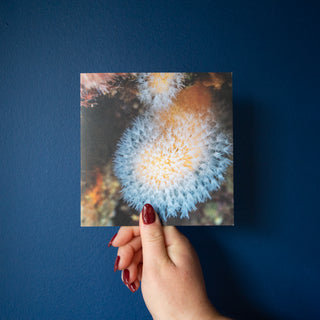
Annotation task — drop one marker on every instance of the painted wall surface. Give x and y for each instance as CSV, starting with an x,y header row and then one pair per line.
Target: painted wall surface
x,y
268,265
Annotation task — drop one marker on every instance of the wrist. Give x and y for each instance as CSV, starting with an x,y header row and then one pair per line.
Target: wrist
x,y
210,313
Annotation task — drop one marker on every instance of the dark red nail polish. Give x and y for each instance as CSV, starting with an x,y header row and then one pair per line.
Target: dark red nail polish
x,y
132,287
126,276
116,264
110,242
148,215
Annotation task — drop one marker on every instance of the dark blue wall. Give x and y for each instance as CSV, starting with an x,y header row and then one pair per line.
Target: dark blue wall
x,y
267,266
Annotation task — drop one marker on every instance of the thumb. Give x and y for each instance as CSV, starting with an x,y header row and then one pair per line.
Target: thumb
x,y
153,245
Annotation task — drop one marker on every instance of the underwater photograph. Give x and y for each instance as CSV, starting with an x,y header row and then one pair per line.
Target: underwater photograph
x,y
159,138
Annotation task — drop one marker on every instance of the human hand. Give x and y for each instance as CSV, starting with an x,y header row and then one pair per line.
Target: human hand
x,y
167,265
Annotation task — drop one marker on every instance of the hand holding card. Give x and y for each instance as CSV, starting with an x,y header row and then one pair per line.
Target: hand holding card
x,y
168,268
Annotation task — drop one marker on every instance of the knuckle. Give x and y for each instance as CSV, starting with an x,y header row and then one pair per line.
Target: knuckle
x,y
126,251
155,237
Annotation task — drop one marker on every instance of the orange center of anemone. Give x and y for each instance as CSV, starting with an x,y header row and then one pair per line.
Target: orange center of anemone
x,y
160,82
162,167
169,158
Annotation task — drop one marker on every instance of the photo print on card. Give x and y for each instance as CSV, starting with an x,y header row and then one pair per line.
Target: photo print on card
x,y
160,138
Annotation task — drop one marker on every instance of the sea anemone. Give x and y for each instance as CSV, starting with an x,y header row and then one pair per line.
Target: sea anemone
x,y
173,158
159,89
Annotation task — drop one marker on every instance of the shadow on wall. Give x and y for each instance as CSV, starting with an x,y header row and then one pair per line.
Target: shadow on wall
x,y
222,286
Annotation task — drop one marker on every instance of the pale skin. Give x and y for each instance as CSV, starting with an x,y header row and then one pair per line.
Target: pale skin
x,y
167,266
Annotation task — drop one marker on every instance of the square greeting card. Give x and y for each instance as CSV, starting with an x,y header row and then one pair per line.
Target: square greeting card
x,y
159,138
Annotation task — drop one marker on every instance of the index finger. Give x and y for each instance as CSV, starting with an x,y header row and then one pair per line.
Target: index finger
x,y
124,235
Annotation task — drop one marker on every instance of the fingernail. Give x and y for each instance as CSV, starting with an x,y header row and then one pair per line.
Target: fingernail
x,y
148,215
110,242
132,287
126,276
116,264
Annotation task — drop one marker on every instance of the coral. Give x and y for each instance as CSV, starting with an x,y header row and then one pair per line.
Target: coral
x,y
99,200
159,89
174,157
215,79
94,85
